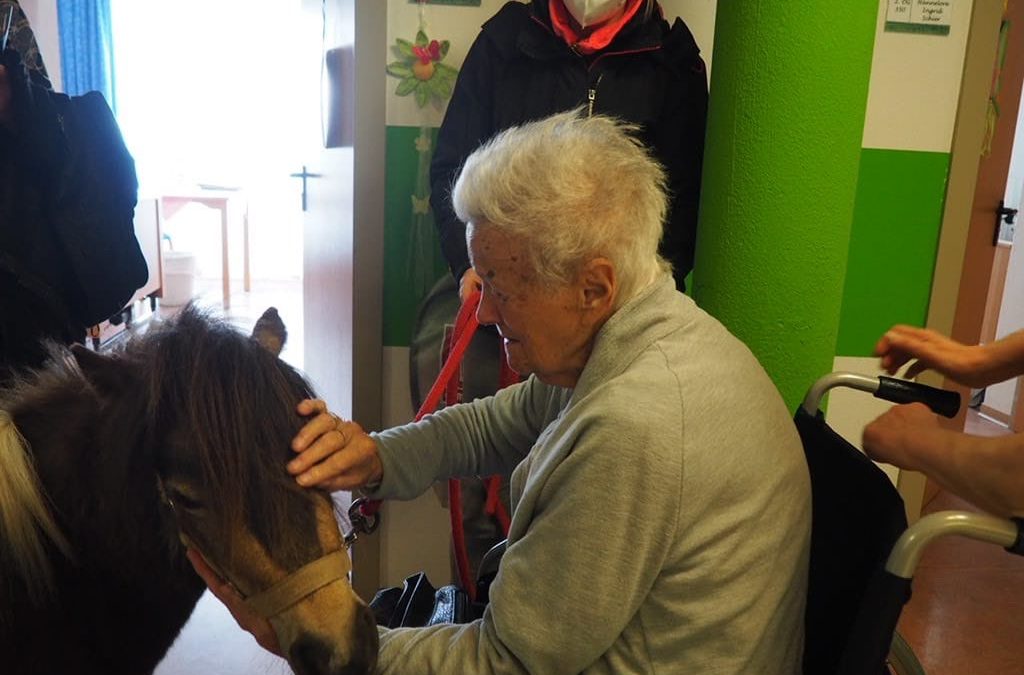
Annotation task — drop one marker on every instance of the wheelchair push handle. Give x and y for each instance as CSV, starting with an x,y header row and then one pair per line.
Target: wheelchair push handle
x,y
941,401
905,555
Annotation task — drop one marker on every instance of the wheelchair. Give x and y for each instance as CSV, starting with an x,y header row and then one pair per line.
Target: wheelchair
x,y
863,555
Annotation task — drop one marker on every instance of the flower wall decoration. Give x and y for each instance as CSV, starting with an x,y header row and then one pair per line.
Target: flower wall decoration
x,y
421,71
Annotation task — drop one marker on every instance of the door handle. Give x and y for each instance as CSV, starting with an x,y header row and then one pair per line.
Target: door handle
x,y
1006,215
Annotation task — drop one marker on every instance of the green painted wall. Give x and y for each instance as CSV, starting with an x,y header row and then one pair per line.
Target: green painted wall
x,y
412,254
788,95
895,235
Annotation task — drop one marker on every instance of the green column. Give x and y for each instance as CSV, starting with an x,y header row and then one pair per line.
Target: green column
x,y
788,94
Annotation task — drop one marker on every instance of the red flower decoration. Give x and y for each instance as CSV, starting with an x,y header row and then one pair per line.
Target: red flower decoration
x,y
431,52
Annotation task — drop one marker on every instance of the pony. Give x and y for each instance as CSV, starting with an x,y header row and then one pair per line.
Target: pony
x,y
111,464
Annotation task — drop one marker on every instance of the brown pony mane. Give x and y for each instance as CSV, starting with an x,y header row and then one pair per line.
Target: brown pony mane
x,y
235,405
192,389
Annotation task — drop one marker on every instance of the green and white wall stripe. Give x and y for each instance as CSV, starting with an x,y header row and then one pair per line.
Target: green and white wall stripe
x,y
417,530
901,191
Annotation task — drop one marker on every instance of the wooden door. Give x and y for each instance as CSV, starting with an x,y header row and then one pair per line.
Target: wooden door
x,y
993,167
343,240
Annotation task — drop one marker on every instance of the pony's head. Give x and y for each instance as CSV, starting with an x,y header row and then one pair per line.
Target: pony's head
x,y
221,414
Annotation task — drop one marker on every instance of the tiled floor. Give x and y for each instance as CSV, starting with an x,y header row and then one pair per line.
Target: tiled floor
x,y
966,616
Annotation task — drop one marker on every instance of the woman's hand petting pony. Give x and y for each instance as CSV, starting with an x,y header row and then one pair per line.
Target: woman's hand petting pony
x,y
333,454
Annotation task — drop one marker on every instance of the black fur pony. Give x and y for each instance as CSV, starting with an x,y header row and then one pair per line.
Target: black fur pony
x,y
106,461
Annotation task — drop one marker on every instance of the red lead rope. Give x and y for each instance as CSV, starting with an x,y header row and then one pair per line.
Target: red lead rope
x,y
449,385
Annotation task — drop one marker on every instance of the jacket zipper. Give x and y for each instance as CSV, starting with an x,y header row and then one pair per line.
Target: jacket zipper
x,y
592,91
592,96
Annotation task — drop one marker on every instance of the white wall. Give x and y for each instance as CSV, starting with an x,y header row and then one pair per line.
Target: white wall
x,y
42,16
915,85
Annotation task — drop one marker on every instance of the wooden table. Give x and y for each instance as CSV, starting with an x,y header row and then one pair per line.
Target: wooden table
x,y
221,201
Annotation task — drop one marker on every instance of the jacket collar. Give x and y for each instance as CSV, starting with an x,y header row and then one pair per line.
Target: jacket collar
x,y
541,42
600,37
656,312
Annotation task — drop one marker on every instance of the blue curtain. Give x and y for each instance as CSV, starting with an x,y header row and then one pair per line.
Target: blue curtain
x,y
86,47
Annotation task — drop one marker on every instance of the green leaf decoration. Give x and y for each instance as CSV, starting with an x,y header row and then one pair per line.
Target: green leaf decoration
x,y
435,90
445,69
445,75
406,87
403,48
399,69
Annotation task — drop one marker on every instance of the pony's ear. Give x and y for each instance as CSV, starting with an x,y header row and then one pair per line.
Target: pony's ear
x,y
270,331
103,372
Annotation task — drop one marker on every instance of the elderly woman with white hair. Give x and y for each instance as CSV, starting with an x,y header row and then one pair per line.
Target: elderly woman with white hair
x,y
661,499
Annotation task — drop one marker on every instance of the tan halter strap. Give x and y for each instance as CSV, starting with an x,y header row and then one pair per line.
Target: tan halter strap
x,y
290,590
300,583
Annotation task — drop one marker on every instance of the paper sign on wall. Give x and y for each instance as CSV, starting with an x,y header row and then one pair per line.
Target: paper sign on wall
x,y
918,16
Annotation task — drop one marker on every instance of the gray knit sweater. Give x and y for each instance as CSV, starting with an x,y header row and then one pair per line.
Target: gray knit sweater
x,y
661,510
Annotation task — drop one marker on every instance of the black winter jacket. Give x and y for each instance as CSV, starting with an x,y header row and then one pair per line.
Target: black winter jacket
x,y
68,253
519,70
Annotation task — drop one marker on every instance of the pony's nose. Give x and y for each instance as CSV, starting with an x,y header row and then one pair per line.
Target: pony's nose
x,y
310,656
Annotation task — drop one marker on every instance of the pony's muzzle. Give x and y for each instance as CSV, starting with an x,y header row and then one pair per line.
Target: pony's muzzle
x,y
311,655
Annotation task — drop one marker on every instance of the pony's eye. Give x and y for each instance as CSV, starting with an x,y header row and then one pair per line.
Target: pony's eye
x,y
183,501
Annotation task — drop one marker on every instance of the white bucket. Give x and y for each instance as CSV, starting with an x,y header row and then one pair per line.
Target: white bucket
x,y
179,278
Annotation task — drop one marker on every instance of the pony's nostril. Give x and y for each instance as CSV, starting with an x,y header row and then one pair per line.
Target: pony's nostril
x,y
310,656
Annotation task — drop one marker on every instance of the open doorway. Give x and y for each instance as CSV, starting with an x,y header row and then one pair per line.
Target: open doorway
x,y
968,288
1003,403
219,104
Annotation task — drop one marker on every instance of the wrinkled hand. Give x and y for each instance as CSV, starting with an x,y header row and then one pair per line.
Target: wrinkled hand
x,y
334,454
249,621
470,282
933,351
888,438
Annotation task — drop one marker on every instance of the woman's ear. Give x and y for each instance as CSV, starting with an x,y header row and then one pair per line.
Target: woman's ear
x,y
599,284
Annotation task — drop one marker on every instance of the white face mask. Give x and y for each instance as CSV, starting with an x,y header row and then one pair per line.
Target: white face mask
x,y
590,12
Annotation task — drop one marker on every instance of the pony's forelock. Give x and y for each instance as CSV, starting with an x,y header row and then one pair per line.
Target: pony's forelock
x,y
238,404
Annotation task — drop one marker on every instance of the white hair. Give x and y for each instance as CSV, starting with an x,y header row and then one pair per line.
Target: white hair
x,y
570,188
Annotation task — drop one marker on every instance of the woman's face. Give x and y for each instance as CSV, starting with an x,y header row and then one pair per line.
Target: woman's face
x,y
546,330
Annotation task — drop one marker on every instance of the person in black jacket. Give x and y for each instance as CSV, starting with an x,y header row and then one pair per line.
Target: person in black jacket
x,y
68,254
533,60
